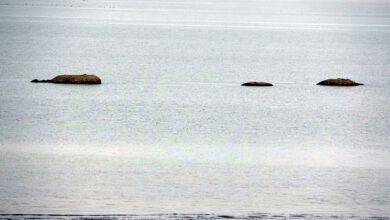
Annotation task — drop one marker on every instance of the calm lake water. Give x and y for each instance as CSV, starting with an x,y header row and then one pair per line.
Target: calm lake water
x,y
171,130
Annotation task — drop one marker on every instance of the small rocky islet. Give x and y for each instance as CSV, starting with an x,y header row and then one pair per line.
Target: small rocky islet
x,y
328,82
339,82
71,79
256,84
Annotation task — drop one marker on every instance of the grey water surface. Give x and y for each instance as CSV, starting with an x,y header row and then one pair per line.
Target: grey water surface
x,y
171,130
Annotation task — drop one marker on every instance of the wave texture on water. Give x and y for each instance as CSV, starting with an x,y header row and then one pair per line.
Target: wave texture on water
x,y
189,216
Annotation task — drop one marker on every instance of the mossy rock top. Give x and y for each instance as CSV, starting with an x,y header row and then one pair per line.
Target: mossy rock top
x,y
72,79
339,82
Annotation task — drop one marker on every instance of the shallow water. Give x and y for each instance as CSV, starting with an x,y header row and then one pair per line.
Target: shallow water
x,y
171,130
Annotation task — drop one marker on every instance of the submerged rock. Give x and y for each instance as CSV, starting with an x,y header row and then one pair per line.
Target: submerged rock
x,y
339,82
72,79
256,84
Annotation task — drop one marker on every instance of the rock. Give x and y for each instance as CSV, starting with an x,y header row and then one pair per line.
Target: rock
x,y
40,81
77,79
72,79
339,82
257,84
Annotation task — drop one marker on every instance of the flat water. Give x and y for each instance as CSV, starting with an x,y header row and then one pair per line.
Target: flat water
x,y
171,130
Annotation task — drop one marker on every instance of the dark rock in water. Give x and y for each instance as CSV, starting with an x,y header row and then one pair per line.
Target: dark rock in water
x,y
72,79
41,81
339,82
256,84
